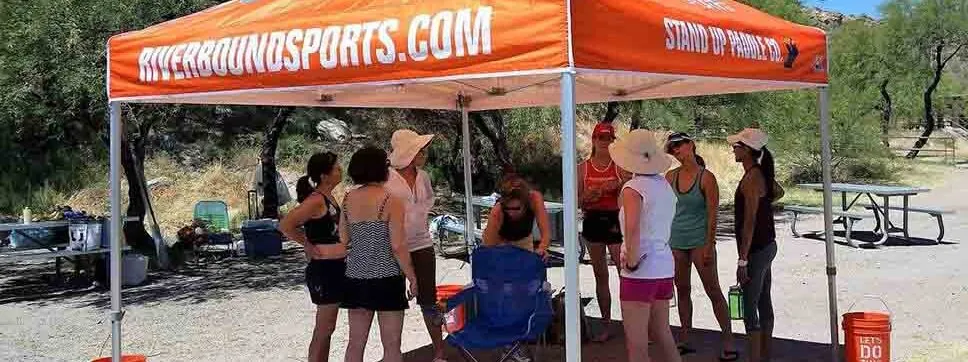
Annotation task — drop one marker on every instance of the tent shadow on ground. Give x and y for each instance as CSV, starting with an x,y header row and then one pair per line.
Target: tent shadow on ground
x,y
212,279
706,342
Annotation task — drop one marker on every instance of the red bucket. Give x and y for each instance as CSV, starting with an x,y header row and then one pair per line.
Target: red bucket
x,y
453,320
124,358
868,336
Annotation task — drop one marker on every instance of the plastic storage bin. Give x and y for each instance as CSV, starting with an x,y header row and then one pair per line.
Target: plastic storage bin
x,y
262,238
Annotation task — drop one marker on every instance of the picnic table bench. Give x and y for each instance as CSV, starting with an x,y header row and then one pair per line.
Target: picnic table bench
x,y
936,213
849,217
880,210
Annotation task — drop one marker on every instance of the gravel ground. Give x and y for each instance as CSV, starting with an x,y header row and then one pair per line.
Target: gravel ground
x,y
235,310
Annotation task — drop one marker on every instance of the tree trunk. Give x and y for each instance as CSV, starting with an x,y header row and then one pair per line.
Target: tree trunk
x,y
497,136
270,196
939,65
611,112
636,115
886,112
133,162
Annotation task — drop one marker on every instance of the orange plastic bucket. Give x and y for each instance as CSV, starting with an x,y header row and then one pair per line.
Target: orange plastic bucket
x,y
868,336
453,320
124,358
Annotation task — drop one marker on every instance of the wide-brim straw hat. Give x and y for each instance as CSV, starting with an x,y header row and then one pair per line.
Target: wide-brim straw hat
x,y
639,152
405,145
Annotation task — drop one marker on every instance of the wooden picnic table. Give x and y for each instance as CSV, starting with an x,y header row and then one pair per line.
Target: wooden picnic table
x,y
874,192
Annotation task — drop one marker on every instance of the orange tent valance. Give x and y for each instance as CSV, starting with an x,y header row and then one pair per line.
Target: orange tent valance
x,y
420,54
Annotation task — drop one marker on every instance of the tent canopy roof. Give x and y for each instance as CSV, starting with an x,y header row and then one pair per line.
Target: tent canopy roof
x,y
498,54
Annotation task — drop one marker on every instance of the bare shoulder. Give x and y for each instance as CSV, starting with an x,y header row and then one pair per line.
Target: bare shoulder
x,y
670,175
629,192
709,178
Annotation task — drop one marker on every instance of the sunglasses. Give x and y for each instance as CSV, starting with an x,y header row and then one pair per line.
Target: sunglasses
x,y
605,138
517,208
675,144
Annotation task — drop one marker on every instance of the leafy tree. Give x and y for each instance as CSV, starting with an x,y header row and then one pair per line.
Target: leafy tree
x,y
935,32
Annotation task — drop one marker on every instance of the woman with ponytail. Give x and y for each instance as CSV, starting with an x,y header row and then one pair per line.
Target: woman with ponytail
x,y
755,237
693,240
314,224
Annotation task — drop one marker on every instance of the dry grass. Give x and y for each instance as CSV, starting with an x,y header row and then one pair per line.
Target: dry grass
x,y
228,180
175,197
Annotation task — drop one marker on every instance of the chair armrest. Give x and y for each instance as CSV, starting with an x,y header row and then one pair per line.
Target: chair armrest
x,y
461,298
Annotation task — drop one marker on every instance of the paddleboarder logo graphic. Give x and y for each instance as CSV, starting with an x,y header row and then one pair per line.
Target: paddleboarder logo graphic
x,y
792,53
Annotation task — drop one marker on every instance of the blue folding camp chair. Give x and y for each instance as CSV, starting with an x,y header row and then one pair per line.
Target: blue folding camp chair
x,y
512,306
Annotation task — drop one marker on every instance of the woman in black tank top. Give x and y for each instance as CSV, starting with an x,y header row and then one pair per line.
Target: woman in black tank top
x,y
314,224
512,219
755,238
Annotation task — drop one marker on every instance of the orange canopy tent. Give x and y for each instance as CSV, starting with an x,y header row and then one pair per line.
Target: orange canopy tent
x,y
467,56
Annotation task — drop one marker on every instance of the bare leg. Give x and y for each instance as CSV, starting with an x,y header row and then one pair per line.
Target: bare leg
x,y
709,275
756,346
436,336
635,318
596,252
683,281
325,325
360,321
391,332
659,328
615,252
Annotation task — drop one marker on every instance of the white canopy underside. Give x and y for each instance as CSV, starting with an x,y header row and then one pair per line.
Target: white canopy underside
x,y
486,91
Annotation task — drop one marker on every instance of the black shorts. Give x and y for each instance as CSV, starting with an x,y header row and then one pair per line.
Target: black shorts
x,y
601,227
326,280
425,266
379,294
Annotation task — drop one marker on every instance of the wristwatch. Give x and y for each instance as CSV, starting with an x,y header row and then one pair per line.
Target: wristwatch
x,y
742,263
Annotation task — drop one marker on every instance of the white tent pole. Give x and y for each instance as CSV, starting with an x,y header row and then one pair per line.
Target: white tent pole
x,y
115,173
469,224
569,182
828,222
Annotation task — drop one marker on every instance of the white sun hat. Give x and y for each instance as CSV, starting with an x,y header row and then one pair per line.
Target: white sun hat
x,y
639,152
406,144
751,137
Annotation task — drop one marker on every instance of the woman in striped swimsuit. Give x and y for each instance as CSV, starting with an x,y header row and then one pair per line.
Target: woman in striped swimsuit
x,y
378,264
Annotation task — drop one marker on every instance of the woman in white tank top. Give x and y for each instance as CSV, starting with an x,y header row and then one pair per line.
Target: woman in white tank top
x,y
647,207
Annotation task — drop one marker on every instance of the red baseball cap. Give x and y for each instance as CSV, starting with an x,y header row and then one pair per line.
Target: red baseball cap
x,y
602,129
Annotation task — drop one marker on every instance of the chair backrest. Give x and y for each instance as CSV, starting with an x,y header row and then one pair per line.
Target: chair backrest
x,y
214,213
508,280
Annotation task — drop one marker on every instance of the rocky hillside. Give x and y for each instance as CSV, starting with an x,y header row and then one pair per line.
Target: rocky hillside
x,y
832,19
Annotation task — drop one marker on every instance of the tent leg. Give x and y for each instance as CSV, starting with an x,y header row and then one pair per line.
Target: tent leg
x,y
569,180
828,225
116,215
469,223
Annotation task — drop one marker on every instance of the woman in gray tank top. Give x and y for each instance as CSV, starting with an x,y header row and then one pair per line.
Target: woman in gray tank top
x,y
693,240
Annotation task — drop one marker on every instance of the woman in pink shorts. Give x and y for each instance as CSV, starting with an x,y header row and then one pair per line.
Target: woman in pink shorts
x,y
647,207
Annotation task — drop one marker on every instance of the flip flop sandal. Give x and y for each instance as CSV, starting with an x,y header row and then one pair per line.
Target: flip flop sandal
x,y
684,349
727,356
